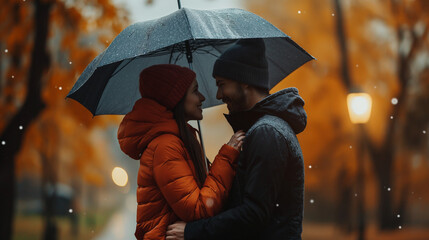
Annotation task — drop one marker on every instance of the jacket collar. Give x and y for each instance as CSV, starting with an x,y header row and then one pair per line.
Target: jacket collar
x,y
285,104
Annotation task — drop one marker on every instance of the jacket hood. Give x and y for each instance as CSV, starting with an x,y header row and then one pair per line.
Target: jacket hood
x,y
285,104
145,122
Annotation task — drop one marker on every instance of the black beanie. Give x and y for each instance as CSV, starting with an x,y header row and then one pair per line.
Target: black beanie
x,y
244,62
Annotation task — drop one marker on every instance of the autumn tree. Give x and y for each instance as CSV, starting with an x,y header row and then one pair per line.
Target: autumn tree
x,y
407,25
45,44
382,49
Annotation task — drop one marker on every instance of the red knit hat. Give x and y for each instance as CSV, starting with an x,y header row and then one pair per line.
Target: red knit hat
x,y
166,83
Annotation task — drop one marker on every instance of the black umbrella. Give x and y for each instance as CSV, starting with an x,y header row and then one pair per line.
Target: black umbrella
x,y
187,37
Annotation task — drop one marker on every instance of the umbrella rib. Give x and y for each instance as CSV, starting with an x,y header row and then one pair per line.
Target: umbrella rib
x,y
118,70
171,53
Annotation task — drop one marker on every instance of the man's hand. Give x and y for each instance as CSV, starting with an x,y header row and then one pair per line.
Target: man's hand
x,y
176,231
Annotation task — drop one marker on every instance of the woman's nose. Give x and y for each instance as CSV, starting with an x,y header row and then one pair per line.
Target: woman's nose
x,y
202,98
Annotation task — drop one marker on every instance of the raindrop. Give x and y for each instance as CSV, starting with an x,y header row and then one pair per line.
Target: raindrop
x,y
6,50
394,101
398,216
60,88
388,189
309,166
70,63
13,76
351,146
299,12
311,201
400,227
277,205
333,14
21,127
70,210
210,202
391,117
424,131
357,65
3,143
355,194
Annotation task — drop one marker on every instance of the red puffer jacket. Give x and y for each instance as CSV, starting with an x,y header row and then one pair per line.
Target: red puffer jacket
x,y
167,189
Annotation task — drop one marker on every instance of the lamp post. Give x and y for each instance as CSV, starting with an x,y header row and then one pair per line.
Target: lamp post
x,y
359,105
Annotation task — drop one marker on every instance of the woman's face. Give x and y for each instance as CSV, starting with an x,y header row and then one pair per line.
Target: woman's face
x,y
193,103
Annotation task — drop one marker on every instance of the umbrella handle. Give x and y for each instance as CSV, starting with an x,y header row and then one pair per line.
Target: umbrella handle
x,y
178,3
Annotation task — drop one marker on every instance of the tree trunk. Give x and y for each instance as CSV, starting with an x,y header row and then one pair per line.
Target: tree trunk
x,y
12,136
385,212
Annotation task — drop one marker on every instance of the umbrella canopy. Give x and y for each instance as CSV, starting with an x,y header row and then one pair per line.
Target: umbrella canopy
x,y
109,84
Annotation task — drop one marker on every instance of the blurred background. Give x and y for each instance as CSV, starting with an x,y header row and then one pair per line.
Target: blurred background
x,y
63,175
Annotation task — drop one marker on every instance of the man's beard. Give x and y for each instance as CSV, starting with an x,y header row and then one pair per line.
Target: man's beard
x,y
238,102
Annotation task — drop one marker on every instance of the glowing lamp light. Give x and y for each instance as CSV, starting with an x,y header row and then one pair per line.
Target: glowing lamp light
x,y
120,176
359,105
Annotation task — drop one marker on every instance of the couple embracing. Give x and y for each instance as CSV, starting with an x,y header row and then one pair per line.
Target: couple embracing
x,y
255,186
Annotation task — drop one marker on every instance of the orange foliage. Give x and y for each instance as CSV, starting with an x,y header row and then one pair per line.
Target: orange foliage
x,y
64,132
329,142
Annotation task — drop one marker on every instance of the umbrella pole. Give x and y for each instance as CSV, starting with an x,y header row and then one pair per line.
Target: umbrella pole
x,y
202,146
178,3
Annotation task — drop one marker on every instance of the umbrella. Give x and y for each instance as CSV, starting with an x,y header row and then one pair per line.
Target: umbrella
x,y
187,37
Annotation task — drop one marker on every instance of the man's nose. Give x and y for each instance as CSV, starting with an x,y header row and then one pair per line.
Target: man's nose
x,y
218,94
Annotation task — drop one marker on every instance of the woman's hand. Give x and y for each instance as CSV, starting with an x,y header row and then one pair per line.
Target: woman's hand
x,y
237,139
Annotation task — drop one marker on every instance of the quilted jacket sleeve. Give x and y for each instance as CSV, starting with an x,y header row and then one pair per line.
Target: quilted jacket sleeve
x,y
174,177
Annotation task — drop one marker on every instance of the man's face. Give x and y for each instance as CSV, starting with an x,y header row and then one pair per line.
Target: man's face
x,y
231,93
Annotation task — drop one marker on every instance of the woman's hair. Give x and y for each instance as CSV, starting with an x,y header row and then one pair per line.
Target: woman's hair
x,y
191,143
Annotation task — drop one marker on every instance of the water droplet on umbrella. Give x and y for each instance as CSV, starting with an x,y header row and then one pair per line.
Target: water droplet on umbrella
x,y
60,88
400,227
13,76
70,210
388,189
3,143
398,216
351,146
311,201
357,65
375,86
70,63
309,166
299,12
355,194
333,14
424,131
394,101
391,117
6,50
21,127
277,205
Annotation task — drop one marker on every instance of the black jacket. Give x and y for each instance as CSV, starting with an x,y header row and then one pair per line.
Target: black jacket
x,y
266,199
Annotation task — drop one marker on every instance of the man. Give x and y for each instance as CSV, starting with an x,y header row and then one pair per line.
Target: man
x,y
266,199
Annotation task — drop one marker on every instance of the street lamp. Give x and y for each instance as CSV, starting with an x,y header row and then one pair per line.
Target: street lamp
x,y
359,105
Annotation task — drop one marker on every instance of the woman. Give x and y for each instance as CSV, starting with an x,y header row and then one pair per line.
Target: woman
x,y
172,180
